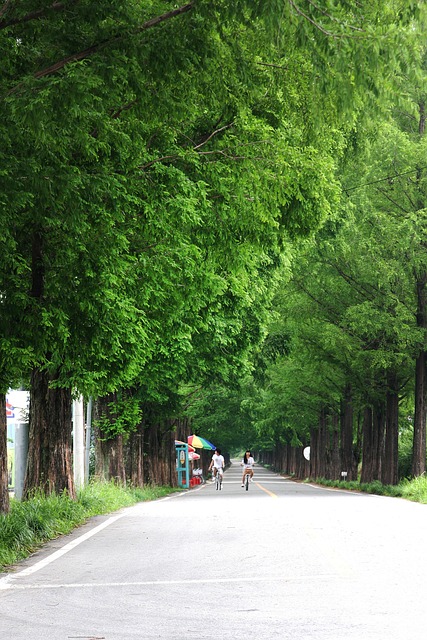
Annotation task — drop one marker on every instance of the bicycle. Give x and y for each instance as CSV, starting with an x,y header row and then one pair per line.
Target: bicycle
x,y
218,480
247,481
198,473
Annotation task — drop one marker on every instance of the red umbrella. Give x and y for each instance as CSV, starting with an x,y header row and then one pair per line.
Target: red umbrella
x,y
190,448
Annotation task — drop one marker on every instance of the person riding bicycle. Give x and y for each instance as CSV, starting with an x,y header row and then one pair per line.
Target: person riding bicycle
x,y
247,464
217,463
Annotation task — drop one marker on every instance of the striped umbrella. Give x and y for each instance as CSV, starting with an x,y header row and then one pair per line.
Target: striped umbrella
x,y
200,443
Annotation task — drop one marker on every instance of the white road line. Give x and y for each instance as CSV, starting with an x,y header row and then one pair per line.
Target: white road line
x,y
162,583
336,490
5,583
260,480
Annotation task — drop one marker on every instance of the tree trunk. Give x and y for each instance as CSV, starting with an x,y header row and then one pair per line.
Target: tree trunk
x,y
335,470
373,443
152,447
347,454
109,454
378,417
368,450
135,457
286,459
357,447
159,436
390,468
419,442
49,466
323,445
314,453
4,491
110,459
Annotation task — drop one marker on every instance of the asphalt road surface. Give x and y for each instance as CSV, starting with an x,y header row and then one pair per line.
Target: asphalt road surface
x,y
284,560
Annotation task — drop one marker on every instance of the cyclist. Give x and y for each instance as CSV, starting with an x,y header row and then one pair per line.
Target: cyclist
x,y
247,464
217,463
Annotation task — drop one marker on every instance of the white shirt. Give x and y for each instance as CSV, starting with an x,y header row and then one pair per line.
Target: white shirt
x,y
218,461
249,463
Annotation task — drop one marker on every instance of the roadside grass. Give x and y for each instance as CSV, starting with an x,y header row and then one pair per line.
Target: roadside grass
x,y
31,523
415,490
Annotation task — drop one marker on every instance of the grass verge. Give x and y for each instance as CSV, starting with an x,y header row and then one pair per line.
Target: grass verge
x,y
415,490
31,523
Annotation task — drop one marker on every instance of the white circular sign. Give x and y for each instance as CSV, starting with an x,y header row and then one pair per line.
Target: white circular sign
x,y
306,453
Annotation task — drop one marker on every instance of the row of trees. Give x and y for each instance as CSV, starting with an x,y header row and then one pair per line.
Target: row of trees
x,y
344,366
159,166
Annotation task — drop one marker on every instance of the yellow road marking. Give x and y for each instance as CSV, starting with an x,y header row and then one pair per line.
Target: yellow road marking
x,y
270,493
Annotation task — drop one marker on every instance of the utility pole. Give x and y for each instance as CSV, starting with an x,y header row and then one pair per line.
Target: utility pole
x,y
21,454
78,442
88,438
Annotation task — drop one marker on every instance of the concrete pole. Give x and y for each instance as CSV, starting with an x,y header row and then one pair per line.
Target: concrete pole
x,y
78,442
21,454
88,438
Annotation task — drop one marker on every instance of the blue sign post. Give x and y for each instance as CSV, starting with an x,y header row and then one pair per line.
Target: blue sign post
x,y
182,465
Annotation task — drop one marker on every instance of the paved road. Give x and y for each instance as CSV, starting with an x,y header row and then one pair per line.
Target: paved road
x,y
283,560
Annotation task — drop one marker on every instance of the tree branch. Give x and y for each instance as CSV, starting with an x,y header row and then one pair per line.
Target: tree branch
x,y
218,152
214,133
161,159
91,50
270,64
317,24
4,8
125,107
313,22
392,200
33,15
386,178
328,15
86,53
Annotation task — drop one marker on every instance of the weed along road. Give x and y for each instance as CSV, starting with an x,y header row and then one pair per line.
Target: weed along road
x,y
282,560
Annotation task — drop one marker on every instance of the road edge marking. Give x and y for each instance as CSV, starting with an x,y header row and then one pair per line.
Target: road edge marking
x,y
5,583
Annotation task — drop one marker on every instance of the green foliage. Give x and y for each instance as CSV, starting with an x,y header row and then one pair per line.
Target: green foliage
x,y
375,487
155,178
406,436
124,414
222,414
349,309
29,524
415,489
137,240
